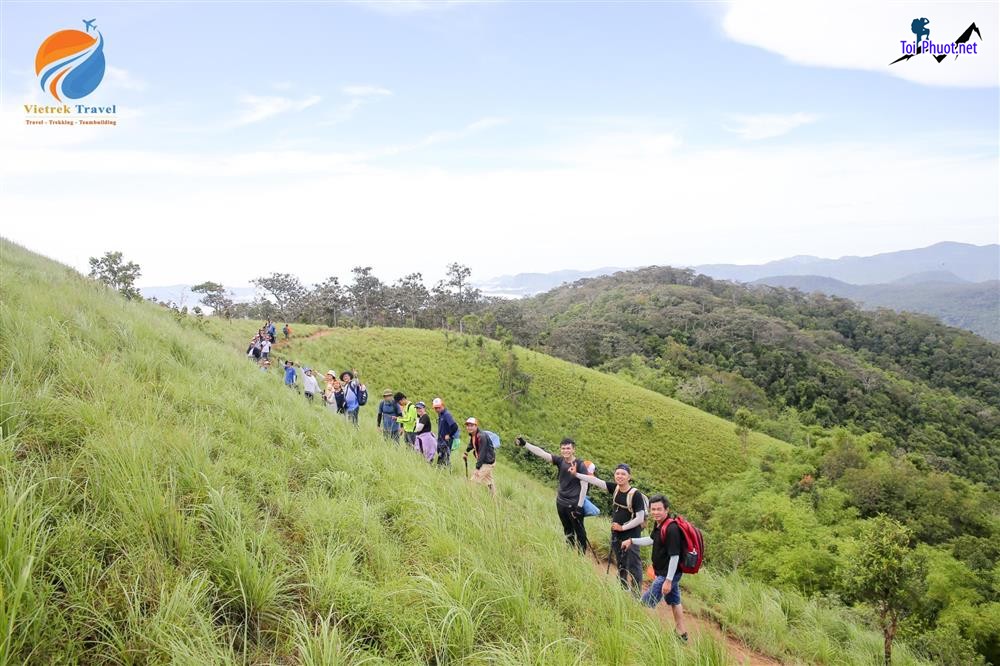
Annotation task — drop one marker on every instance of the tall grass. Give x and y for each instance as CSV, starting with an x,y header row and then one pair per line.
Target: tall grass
x,y
787,625
165,502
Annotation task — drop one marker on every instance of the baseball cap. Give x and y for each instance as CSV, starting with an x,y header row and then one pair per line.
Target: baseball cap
x,y
471,421
387,393
421,405
437,402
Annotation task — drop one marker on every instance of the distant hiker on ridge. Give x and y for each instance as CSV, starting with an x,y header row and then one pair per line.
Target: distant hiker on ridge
x,y
572,491
286,330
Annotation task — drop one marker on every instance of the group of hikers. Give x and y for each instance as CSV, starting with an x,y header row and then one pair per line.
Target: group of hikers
x,y
677,546
259,350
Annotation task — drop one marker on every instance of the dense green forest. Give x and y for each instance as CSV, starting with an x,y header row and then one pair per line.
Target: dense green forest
x,y
797,362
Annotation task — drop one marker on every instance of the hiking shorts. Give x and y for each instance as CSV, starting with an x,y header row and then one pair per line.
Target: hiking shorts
x,y
483,475
652,596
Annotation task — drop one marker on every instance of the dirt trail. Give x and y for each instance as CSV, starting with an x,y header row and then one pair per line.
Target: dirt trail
x,y
279,342
697,624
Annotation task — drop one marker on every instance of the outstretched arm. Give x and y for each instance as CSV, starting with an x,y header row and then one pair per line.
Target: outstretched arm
x,y
594,481
538,451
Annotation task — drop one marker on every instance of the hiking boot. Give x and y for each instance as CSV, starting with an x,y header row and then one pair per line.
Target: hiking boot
x,y
683,637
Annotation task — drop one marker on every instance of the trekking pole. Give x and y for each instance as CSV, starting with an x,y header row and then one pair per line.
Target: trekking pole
x,y
610,553
466,460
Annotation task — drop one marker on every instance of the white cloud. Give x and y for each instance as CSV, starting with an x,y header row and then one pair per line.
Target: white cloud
x,y
867,35
442,136
26,153
768,125
624,199
358,96
257,108
365,91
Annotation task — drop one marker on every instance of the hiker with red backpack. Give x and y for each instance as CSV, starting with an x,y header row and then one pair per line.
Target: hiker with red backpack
x,y
628,515
678,548
572,491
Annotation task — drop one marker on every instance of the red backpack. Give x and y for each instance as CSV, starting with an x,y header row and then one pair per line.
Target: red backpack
x,y
693,549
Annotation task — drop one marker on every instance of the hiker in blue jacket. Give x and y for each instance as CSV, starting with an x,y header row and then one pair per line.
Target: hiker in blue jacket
x,y
353,392
447,432
291,374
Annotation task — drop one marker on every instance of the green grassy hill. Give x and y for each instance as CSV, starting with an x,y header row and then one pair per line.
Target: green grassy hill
x,y
165,502
672,447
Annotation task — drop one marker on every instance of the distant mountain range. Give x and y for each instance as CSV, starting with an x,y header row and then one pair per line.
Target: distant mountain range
x,y
973,306
972,263
529,284
955,282
182,295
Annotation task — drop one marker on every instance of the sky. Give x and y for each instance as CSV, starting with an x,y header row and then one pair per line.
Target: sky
x,y
312,137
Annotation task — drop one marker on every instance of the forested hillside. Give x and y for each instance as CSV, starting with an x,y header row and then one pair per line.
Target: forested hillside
x,y
796,361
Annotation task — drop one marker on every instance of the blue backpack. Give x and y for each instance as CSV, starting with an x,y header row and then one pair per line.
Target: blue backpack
x,y
494,438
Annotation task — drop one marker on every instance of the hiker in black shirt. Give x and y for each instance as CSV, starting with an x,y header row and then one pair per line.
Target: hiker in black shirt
x,y
572,491
628,515
666,561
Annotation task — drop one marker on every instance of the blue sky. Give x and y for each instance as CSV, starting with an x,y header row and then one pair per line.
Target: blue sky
x,y
311,137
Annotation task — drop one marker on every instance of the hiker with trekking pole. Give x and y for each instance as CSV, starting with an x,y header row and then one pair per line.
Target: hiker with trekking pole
x,y
486,457
572,491
678,548
628,515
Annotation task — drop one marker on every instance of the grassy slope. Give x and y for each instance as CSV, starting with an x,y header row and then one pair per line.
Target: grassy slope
x,y
163,502
672,447
424,364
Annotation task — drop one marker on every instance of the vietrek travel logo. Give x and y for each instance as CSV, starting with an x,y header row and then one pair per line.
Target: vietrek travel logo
x,y
939,51
70,65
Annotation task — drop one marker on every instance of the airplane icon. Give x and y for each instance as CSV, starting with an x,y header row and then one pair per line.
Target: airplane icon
x,y
89,24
